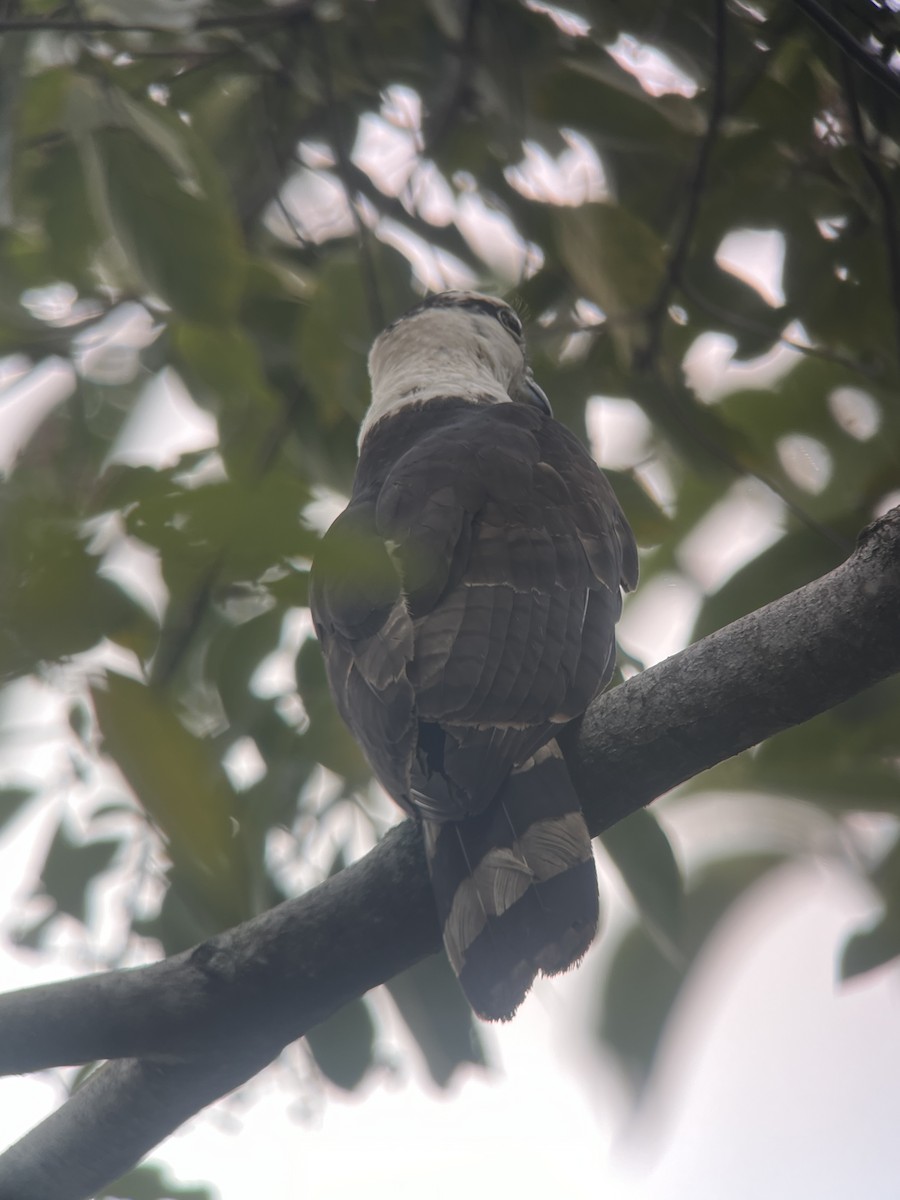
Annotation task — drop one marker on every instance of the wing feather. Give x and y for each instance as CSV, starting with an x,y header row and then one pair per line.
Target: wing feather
x,y
495,551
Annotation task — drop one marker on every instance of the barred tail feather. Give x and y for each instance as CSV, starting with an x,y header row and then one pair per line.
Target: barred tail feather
x,y
516,886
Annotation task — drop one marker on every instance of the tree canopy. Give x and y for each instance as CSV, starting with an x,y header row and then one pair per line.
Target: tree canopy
x,y
206,214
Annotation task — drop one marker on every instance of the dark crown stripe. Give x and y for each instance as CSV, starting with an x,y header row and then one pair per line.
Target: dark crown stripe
x,y
470,301
478,304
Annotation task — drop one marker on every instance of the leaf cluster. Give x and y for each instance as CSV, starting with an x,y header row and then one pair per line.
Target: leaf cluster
x,y
212,212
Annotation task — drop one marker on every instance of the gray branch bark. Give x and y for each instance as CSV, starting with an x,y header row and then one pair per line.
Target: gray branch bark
x,y
185,1031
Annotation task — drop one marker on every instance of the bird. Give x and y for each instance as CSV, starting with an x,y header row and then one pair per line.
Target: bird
x,y
466,602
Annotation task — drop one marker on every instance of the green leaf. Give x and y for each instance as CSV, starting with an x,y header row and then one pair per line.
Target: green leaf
x,y
162,129
438,1016
241,528
646,861
871,948
617,261
334,340
70,867
343,1045
639,989
53,602
234,657
44,100
818,765
225,361
845,758
180,782
878,944
12,800
12,63
69,222
182,920
647,520
149,1182
148,169
642,984
183,243
798,403
596,95
272,309
794,560
755,325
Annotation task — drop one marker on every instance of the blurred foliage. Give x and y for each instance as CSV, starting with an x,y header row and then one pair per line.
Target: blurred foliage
x,y
205,218
149,1183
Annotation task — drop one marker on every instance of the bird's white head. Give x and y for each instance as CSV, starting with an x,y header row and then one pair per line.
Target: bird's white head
x,y
451,344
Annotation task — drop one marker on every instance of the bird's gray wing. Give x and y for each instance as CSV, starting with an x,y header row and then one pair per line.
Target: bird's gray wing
x,y
512,548
361,619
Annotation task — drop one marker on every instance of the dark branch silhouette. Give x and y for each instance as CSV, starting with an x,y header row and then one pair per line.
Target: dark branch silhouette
x,y
838,33
237,20
185,1031
693,192
868,157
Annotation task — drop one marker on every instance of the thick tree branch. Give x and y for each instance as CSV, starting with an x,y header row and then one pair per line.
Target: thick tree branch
x,y
773,669
193,1027
203,1022
123,1110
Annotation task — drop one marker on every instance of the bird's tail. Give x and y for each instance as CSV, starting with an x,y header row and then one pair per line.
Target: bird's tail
x,y
516,886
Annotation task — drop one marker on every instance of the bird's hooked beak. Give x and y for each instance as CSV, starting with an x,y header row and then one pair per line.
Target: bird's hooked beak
x,y
528,392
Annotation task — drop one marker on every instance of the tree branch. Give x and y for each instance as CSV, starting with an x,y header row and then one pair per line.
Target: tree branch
x,y
769,671
868,156
842,37
237,20
688,221
191,1028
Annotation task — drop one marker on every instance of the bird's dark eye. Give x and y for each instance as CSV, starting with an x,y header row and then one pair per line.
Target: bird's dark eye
x,y
510,321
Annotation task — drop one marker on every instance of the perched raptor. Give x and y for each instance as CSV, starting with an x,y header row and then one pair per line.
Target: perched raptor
x,y
466,601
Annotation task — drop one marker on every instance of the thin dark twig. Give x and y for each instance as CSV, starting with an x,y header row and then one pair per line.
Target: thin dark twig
x,y
264,16
291,219
194,61
868,157
673,278
739,322
679,253
439,123
393,208
368,270
179,53
850,47
779,26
